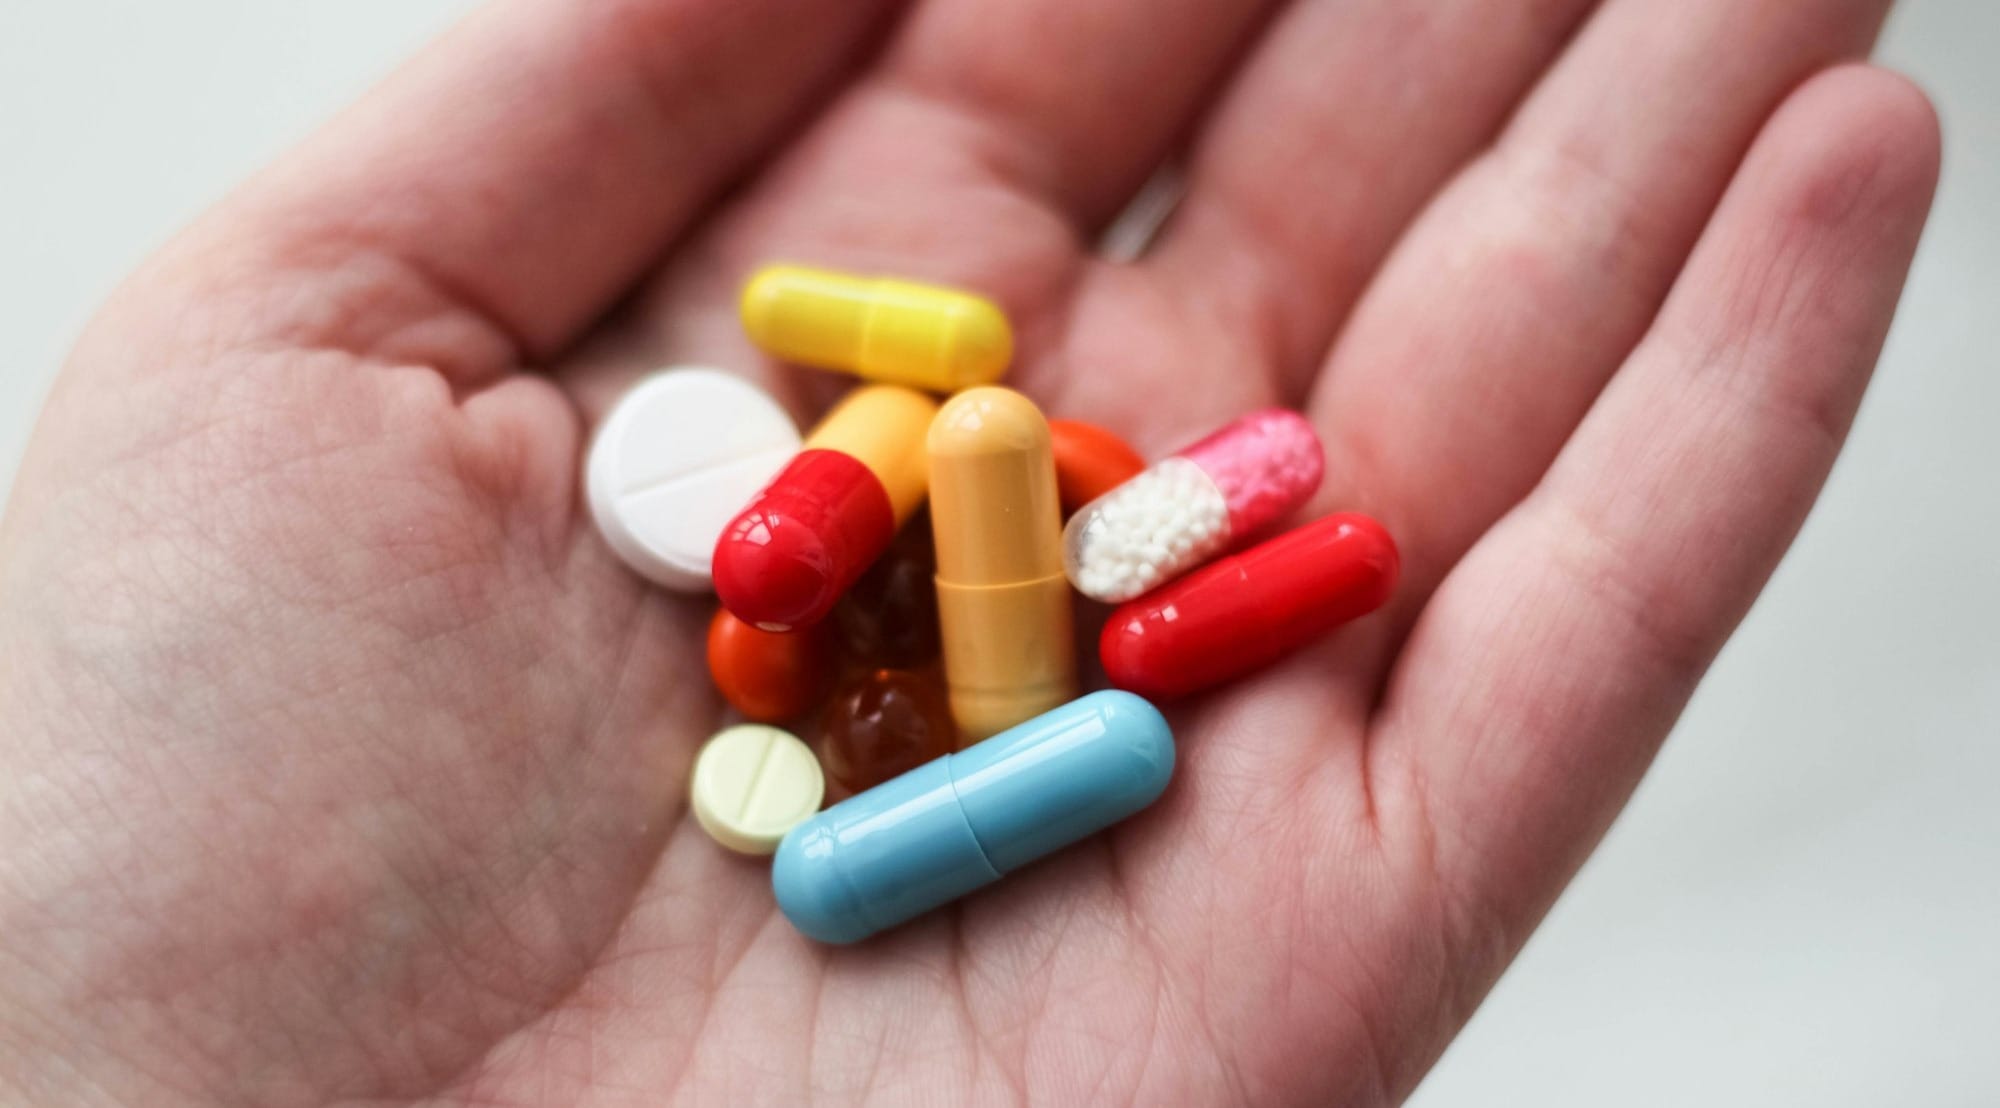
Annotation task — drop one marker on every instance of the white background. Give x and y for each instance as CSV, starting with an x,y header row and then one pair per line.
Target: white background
x,y
1802,907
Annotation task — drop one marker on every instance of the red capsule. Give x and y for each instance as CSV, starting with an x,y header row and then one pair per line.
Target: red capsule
x,y
1244,612
782,563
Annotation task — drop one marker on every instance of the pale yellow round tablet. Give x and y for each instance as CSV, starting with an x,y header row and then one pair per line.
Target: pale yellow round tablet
x,y
752,784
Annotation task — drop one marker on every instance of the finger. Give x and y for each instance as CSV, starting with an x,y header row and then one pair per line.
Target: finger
x,y
1519,293
1553,660
1057,95
495,195
985,150
1340,125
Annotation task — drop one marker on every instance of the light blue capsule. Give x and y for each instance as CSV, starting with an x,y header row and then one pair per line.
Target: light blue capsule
x,y
950,826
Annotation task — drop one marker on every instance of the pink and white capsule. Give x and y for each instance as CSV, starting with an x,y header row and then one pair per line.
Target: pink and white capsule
x,y
1184,510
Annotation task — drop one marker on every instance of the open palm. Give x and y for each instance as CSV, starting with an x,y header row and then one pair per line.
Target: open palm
x,y
343,764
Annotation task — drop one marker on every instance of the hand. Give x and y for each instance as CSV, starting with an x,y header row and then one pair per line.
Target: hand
x,y
342,762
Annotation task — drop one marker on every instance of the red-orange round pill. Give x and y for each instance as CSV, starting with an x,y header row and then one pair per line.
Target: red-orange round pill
x,y
766,675
1090,462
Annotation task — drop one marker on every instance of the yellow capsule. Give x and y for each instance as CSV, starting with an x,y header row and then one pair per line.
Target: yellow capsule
x,y
1003,602
877,328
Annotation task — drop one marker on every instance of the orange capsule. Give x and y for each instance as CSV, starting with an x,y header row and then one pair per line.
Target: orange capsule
x,y
1090,462
766,675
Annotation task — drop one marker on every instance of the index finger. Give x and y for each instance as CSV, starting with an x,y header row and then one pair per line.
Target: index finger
x,y
524,169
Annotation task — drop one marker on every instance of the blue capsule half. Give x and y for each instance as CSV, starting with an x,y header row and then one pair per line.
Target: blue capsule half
x,y
948,827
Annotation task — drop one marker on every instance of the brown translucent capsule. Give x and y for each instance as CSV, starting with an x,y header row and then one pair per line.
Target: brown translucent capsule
x,y
882,724
889,619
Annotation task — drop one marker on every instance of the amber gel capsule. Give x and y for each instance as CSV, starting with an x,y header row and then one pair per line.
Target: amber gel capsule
x,y
889,617
1003,603
884,724
877,328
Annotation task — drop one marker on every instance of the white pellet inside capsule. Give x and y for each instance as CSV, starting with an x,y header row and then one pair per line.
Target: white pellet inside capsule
x,y
1146,532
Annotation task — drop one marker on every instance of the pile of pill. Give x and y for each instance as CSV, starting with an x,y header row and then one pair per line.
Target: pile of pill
x,y
932,661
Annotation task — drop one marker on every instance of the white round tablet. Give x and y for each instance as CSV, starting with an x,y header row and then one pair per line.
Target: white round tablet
x,y
677,459
753,783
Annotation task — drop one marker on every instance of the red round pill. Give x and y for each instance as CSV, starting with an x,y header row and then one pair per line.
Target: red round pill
x,y
884,724
768,676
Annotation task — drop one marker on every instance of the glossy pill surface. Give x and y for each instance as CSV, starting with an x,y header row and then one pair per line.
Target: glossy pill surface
x,y
953,825
1192,506
884,724
767,675
1003,603
881,329
676,458
783,562
1090,461
751,784
1246,611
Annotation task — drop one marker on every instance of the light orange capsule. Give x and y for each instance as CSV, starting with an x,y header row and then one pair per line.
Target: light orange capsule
x,y
1003,602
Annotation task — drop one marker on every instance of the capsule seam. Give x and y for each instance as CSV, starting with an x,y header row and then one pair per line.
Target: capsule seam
x,y
958,802
854,894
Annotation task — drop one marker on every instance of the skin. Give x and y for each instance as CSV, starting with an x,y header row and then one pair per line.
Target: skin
x,y
343,764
